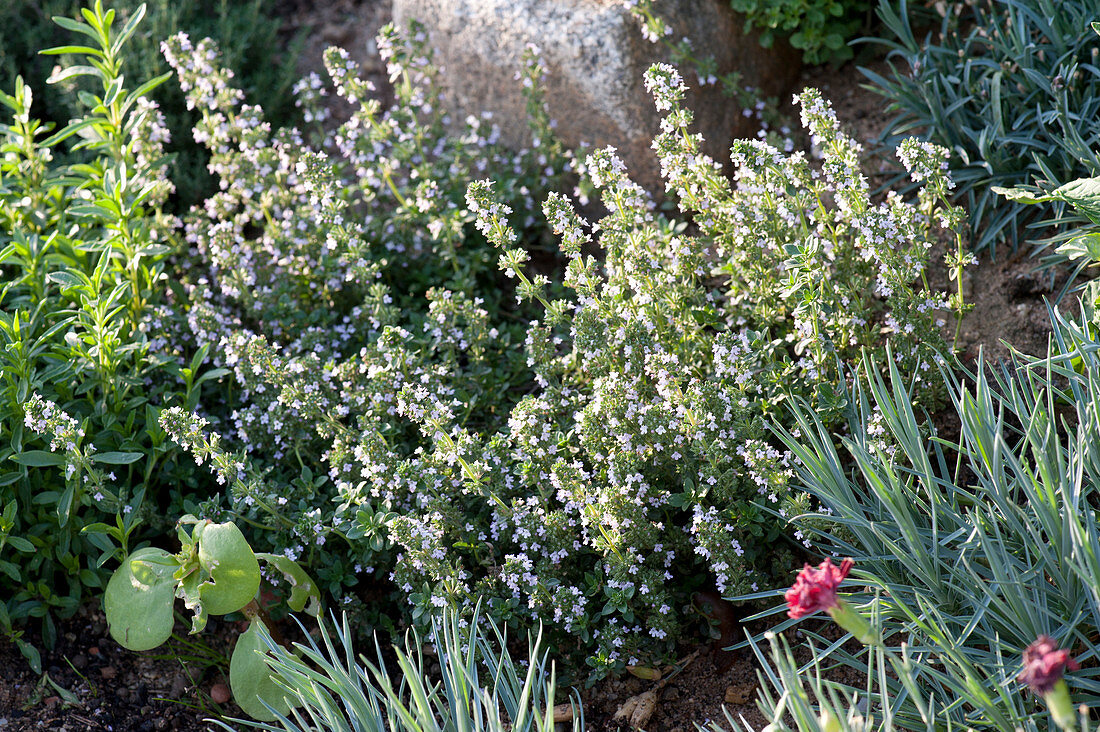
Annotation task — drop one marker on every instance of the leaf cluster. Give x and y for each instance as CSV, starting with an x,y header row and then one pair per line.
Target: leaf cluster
x,y
1010,88
821,29
214,573
250,41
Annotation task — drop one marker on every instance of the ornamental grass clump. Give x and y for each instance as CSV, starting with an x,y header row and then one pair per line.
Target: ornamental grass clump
x,y
975,559
480,685
1010,88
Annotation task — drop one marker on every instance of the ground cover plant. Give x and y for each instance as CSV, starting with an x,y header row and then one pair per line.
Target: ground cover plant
x,y
416,369
1010,88
629,446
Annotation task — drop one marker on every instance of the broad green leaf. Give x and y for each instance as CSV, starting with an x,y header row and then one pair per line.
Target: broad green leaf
x,y
117,458
234,571
139,597
1084,195
11,570
250,678
303,590
68,278
1082,247
30,653
39,458
22,544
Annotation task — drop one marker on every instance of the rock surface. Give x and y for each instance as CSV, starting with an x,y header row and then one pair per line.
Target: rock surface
x,y
595,56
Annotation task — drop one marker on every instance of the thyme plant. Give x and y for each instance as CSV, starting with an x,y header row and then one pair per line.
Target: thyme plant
x,y
621,460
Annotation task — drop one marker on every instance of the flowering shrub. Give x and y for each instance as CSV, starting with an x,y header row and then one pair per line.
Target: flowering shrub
x,y
387,419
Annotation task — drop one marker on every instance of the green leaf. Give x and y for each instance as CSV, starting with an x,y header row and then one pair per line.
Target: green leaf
x,y
1086,246
68,278
67,131
57,50
20,544
234,571
303,589
128,29
31,654
39,459
145,88
65,505
250,677
1084,195
75,26
138,601
117,458
11,570
97,528
1020,195
73,71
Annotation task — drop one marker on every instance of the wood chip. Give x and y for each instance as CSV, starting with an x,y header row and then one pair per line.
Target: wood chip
x,y
739,693
643,712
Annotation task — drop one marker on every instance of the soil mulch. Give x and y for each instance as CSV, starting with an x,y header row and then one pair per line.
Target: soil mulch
x,y
92,683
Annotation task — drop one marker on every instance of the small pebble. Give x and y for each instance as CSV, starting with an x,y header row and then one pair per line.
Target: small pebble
x,y
108,672
79,661
219,693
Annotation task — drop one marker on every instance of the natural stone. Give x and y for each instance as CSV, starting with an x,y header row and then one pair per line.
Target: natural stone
x,y
595,55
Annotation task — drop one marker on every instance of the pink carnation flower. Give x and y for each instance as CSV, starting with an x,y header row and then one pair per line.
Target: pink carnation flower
x,y
815,589
1044,665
